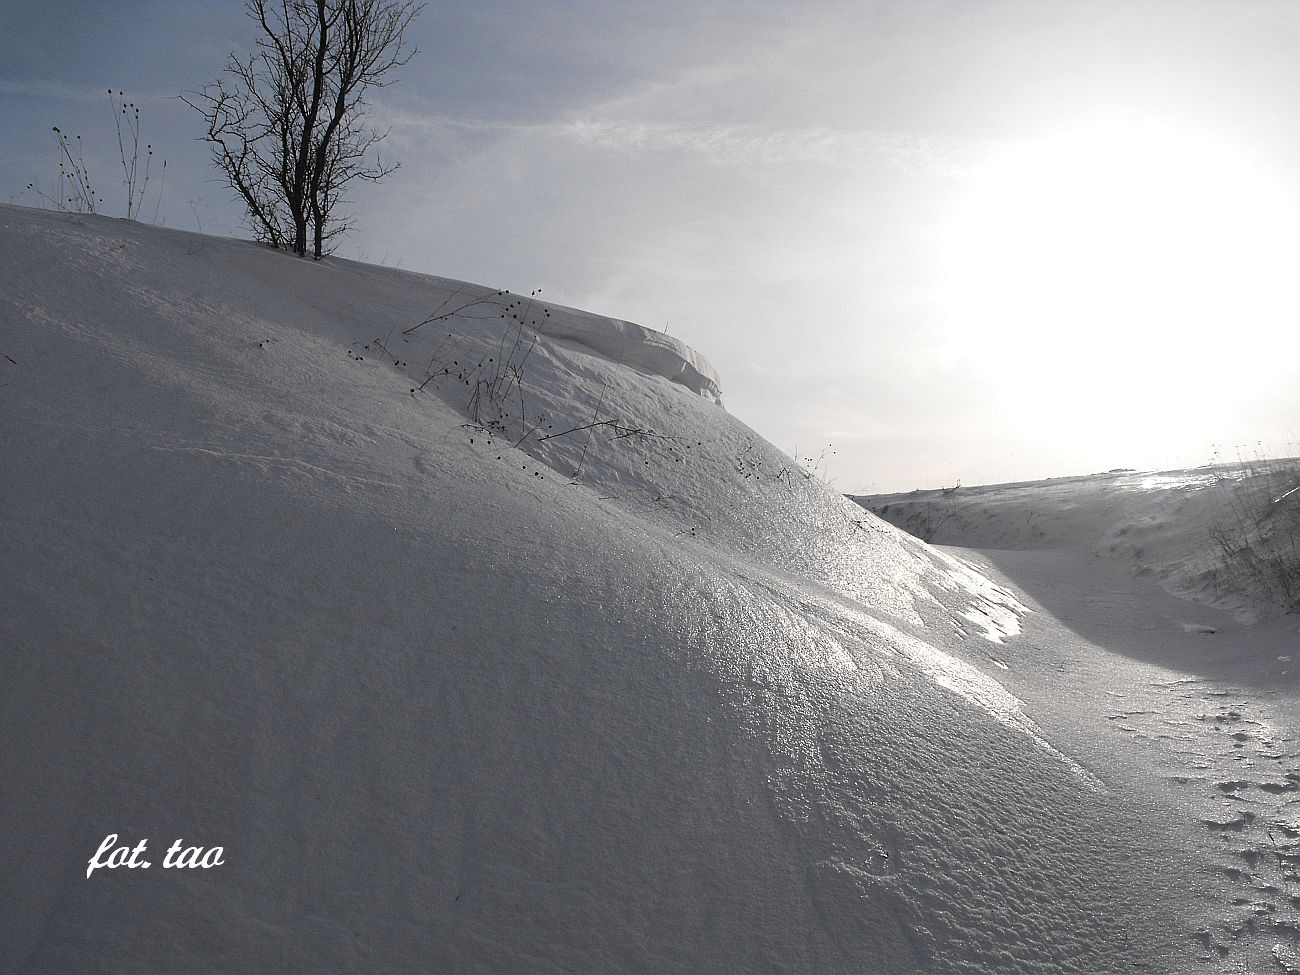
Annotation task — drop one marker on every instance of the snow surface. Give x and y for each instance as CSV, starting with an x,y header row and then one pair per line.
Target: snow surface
x,y
454,696
1190,705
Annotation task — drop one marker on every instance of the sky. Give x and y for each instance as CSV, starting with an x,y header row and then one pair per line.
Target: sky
x,y
924,242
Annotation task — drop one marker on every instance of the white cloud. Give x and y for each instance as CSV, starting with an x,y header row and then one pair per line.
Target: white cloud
x,y
720,144
71,93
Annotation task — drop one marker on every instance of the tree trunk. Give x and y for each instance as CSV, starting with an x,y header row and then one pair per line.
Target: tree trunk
x,y
318,222
300,197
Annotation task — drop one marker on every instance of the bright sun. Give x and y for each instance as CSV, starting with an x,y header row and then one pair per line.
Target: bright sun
x,y
1130,255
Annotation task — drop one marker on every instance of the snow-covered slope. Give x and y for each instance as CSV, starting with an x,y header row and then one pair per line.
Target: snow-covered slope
x,y
492,644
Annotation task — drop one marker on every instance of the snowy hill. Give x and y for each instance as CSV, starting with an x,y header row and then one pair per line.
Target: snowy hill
x,y
489,644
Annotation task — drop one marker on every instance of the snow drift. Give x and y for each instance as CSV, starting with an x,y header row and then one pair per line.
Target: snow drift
x,y
481,646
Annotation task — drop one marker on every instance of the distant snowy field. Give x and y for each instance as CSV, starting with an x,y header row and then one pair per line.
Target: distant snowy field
x,y
496,645
1172,525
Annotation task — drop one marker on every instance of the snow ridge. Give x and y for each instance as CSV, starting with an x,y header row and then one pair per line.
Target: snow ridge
x,y
650,352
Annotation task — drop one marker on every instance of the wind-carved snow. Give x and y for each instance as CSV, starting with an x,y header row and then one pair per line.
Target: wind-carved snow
x,y
993,608
945,669
617,341
637,347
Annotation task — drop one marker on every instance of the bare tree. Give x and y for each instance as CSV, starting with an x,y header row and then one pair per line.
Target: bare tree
x,y
287,126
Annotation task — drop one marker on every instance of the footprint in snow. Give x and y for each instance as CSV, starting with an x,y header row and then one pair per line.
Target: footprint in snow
x,y
1218,746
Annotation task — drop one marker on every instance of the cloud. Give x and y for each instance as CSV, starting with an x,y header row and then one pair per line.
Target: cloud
x,y
52,89
69,93
763,145
713,144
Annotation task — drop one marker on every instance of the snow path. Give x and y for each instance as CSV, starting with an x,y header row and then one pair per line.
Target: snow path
x,y
1194,716
1159,523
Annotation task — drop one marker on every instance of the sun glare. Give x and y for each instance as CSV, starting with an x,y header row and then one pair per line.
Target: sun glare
x,y
1125,253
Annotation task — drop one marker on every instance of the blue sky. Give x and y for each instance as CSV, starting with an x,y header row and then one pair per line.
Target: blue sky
x,y
969,241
